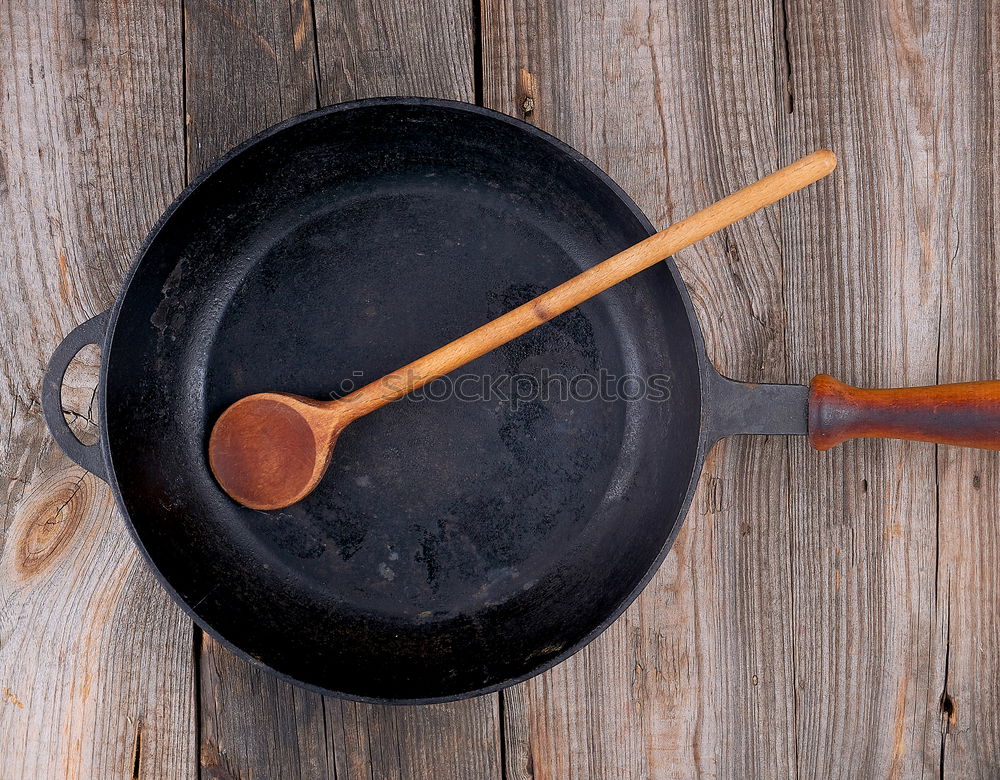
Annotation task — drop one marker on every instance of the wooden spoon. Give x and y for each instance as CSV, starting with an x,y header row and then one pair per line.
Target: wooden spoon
x,y
270,450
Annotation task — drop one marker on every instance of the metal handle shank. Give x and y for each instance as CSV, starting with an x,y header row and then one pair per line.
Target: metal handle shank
x,y
734,408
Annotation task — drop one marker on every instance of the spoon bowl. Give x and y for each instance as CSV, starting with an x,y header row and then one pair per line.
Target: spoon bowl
x,y
269,450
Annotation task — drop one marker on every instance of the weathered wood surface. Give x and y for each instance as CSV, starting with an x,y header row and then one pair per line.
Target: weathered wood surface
x,y
96,672
820,615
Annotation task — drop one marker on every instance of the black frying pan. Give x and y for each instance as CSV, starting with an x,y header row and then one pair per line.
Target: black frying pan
x,y
454,546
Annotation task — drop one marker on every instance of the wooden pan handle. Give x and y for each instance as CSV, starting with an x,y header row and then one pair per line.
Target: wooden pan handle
x,y
594,280
966,414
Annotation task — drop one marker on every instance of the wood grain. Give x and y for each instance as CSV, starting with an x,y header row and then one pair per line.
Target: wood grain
x,y
455,741
96,672
247,65
245,70
696,677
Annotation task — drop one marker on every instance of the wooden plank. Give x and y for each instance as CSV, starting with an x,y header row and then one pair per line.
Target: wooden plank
x,y
369,48
873,255
96,664
248,69
456,741
247,66
697,676
255,725
962,49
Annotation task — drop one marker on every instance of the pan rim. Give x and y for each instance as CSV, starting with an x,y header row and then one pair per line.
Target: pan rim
x,y
703,366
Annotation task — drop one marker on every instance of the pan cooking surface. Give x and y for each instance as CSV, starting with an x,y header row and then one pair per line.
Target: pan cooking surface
x,y
434,507
455,543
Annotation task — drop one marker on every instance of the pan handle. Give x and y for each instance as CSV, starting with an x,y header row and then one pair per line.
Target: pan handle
x,y
965,414
831,412
89,456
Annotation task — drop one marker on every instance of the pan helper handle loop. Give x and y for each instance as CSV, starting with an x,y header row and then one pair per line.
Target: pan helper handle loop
x,y
90,332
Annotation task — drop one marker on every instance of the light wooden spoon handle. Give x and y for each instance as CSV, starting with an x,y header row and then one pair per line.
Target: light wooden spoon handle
x,y
586,285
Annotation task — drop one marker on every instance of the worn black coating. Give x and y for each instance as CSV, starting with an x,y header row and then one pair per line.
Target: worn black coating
x,y
454,546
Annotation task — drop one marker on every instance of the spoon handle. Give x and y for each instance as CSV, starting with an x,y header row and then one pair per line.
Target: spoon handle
x,y
594,280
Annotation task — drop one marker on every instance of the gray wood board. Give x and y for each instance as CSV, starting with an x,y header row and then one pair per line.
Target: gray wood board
x,y
96,664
